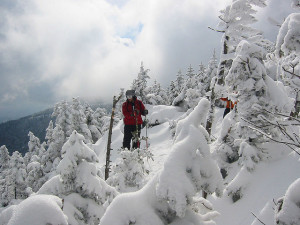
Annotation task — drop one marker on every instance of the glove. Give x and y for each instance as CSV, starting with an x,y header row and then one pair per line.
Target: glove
x,y
145,112
144,123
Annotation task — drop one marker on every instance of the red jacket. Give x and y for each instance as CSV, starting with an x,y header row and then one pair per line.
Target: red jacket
x,y
129,116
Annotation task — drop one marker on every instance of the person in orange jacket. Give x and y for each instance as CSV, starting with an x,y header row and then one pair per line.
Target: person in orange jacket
x,y
229,106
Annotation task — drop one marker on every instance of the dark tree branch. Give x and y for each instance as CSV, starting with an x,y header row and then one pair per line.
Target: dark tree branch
x,y
293,74
258,218
220,31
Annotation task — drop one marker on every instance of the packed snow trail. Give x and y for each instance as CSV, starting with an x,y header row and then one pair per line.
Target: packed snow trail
x,y
160,137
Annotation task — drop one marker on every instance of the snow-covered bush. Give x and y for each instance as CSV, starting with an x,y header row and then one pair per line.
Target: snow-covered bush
x,y
288,207
128,172
35,210
171,196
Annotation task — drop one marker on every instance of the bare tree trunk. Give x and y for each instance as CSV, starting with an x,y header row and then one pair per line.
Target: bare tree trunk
x,y
107,165
211,110
223,64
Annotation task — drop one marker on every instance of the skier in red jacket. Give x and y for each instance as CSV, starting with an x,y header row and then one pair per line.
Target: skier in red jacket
x,y
132,110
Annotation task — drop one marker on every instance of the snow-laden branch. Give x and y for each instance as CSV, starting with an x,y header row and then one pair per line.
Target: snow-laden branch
x,y
289,144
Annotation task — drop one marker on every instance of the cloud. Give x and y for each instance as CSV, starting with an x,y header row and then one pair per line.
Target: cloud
x,y
54,50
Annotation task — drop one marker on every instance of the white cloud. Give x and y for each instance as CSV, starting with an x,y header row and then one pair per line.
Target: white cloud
x,y
93,48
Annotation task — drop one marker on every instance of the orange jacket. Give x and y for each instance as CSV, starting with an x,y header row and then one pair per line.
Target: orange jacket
x,y
229,104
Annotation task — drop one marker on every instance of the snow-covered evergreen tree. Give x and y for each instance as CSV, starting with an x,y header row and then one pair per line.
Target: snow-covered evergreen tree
x,y
4,166
102,118
171,91
176,87
4,158
79,182
249,84
190,93
287,52
140,83
15,184
92,124
55,139
235,23
157,95
35,174
34,147
170,197
226,147
179,82
63,117
128,172
79,120
210,72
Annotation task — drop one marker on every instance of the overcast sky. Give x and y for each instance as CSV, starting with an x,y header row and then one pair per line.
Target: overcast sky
x,y
59,49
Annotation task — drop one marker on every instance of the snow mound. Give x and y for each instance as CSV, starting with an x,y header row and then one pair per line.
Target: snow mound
x,y
35,210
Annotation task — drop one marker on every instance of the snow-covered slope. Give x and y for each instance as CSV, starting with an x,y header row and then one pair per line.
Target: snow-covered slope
x,y
269,181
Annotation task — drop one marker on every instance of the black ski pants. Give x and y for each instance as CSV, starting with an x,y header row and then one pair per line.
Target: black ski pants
x,y
128,135
226,111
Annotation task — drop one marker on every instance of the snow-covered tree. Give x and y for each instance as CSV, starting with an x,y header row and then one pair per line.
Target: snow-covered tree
x,y
4,158
15,185
210,72
176,87
55,139
287,210
156,95
246,84
35,174
287,52
79,182
92,124
140,83
235,23
128,172
190,93
4,166
179,82
34,147
171,196
63,117
79,120
102,118
249,84
226,147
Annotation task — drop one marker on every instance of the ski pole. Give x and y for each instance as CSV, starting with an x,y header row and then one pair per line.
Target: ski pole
x,y
146,132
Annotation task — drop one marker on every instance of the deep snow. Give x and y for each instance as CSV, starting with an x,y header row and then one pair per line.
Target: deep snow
x,y
269,181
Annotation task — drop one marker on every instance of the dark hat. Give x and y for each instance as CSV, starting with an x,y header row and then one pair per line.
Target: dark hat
x,y
130,92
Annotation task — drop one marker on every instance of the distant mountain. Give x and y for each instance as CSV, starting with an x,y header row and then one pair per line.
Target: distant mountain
x,y
14,133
